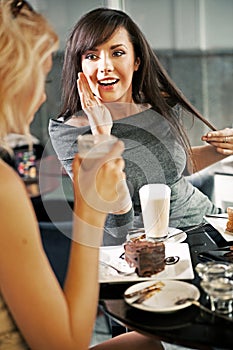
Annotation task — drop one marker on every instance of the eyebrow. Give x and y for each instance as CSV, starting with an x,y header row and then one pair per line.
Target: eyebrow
x,y
117,45
112,47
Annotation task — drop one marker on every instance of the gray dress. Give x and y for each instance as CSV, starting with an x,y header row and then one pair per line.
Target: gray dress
x,y
152,155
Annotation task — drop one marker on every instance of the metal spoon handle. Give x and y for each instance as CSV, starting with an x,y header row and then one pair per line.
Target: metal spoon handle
x,y
202,307
193,228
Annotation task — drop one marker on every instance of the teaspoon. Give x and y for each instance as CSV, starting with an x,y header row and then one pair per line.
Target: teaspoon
x,y
202,307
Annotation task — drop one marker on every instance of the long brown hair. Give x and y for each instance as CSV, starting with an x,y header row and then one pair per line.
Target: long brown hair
x,y
151,83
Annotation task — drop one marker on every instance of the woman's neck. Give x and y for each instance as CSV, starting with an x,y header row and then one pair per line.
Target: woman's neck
x,y
120,110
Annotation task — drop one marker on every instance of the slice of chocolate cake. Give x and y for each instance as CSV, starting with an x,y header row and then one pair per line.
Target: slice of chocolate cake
x,y
147,257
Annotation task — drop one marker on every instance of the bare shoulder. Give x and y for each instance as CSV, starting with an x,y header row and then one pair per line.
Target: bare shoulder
x,y
77,121
10,183
17,216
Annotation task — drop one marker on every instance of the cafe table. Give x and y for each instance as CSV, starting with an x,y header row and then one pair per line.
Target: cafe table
x,y
191,326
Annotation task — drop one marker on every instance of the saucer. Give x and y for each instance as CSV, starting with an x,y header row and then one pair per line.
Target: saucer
x,y
165,299
179,236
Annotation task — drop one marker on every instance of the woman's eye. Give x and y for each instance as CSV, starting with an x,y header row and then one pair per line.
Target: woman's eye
x,y
118,53
90,56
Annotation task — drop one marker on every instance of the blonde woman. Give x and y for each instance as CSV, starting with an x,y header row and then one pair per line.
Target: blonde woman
x,y
35,312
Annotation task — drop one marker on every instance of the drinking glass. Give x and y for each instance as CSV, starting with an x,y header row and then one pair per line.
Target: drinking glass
x,y
91,147
213,269
155,204
217,283
220,291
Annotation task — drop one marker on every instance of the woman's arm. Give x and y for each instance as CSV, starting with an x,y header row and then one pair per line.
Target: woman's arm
x,y
48,317
204,156
220,146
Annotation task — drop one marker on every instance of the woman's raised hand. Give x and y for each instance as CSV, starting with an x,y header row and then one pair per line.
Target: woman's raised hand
x,y
98,114
222,140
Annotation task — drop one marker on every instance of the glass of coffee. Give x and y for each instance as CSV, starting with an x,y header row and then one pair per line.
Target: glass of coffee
x,y
155,204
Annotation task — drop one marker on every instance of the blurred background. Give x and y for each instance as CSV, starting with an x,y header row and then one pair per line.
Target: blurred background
x,y
193,39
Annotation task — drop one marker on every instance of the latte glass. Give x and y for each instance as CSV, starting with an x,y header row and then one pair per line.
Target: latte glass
x,y
155,204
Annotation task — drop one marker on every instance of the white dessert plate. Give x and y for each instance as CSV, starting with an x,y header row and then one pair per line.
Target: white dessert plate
x,y
111,255
179,236
220,225
164,300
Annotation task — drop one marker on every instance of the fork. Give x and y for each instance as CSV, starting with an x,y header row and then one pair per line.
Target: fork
x,y
120,272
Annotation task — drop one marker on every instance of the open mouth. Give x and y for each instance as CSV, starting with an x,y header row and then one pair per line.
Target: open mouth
x,y
108,82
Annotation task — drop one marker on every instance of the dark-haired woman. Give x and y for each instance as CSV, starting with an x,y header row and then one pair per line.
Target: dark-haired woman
x,y
114,83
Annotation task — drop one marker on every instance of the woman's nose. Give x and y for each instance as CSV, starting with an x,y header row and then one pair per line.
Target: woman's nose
x,y
105,65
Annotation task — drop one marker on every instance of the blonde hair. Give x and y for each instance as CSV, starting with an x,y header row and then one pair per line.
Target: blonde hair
x,y
26,41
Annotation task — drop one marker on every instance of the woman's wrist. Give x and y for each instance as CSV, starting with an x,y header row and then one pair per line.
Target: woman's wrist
x,y
88,228
89,214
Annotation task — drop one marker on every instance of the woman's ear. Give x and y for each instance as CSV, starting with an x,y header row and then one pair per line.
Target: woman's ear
x,y
137,64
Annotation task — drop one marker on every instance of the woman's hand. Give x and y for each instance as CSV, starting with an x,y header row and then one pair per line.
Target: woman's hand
x,y
101,187
98,115
222,140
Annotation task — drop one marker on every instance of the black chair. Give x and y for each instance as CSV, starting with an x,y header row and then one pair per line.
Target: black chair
x,y
55,223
